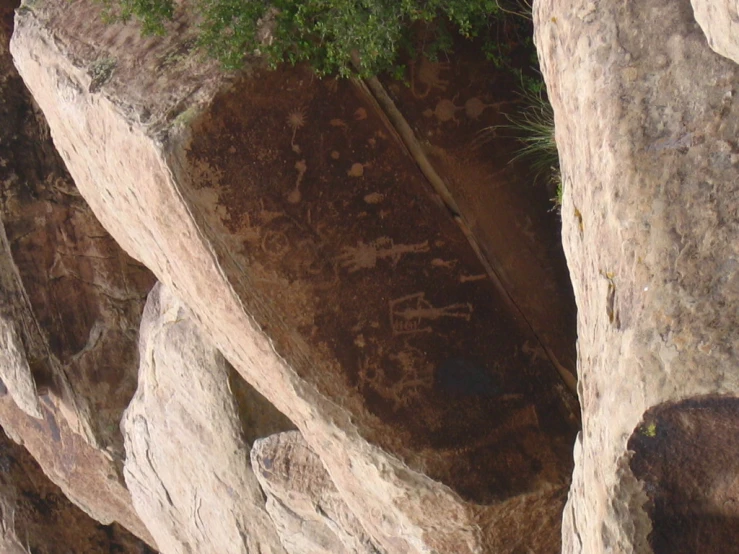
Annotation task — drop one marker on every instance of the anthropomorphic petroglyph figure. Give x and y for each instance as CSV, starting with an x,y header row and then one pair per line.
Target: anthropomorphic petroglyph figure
x,y
365,256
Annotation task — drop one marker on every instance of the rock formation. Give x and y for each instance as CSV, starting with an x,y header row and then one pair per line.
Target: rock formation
x,y
311,271
646,123
70,305
187,464
357,344
308,511
35,515
719,20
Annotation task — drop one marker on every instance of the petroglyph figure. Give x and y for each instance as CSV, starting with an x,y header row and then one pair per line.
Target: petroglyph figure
x,y
445,111
365,256
414,375
470,278
409,314
299,251
446,264
428,75
296,120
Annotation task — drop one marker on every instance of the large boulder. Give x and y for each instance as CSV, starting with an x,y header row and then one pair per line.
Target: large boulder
x,y
187,463
308,511
287,217
646,123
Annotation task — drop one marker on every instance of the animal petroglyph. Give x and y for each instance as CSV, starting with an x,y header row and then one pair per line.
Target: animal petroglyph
x,y
365,256
445,110
409,314
428,75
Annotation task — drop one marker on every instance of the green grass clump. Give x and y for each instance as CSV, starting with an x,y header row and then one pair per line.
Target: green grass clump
x,y
533,128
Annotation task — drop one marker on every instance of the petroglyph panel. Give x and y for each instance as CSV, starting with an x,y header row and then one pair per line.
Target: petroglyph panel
x,y
366,285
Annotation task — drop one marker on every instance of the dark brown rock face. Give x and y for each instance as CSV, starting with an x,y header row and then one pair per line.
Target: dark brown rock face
x,y
289,218
687,455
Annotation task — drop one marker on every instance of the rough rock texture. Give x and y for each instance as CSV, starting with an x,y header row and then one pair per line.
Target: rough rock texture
x,y
187,464
646,121
308,511
73,299
290,221
719,20
36,517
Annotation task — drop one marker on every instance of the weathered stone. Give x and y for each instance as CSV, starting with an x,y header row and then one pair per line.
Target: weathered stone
x,y
187,464
35,516
88,477
646,124
308,511
70,301
719,20
306,243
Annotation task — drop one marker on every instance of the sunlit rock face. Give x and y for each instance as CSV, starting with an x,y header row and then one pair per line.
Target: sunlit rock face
x,y
719,20
303,502
646,122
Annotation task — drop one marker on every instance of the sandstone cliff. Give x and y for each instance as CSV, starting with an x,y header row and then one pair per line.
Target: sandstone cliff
x,y
360,340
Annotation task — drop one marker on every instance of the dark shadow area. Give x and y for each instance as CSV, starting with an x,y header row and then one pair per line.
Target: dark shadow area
x,y
687,456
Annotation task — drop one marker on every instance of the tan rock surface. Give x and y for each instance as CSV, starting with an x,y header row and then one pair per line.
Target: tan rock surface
x,y
646,122
308,511
187,464
719,20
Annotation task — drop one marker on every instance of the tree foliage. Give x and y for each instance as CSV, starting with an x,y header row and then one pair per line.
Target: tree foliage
x,y
332,35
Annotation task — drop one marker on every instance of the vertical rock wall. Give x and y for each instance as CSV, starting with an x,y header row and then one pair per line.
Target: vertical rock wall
x,y
646,124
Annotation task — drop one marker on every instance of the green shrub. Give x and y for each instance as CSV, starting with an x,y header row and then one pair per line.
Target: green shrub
x,y
332,34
